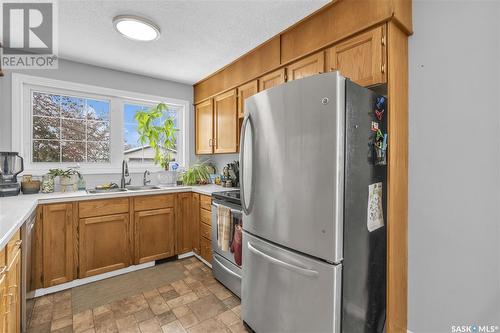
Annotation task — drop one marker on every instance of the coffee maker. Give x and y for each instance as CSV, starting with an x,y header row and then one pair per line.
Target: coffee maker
x,y
11,164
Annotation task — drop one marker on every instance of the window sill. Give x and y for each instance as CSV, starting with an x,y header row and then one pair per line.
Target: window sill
x,y
95,171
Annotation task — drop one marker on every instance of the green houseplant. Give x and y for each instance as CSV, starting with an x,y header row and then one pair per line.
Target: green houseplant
x,y
66,177
197,174
159,135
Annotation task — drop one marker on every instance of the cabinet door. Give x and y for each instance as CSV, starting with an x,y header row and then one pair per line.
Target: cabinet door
x,y
4,299
183,224
226,123
154,235
312,65
206,249
103,244
57,238
361,58
245,91
272,79
13,296
195,221
204,127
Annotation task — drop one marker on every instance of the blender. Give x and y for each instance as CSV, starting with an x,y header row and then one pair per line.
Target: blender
x,y
11,164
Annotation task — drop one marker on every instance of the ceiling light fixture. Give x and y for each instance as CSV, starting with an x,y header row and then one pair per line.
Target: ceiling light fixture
x,y
136,28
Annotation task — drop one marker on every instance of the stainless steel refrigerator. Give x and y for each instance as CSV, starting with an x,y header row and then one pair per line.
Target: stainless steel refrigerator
x,y
314,244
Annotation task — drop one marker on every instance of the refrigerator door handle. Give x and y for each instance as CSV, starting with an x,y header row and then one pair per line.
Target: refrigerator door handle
x,y
300,270
246,122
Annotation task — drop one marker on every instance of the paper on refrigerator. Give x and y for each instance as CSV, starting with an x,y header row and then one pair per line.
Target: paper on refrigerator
x,y
375,216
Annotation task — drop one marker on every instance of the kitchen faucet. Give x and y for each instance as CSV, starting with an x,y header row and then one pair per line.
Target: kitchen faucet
x,y
125,173
145,181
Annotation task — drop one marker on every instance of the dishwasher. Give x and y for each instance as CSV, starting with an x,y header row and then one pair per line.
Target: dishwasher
x,y
27,248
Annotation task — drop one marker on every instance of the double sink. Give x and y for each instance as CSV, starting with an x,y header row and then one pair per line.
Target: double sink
x,y
127,188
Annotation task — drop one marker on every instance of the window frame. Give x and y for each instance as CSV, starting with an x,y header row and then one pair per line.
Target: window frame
x,y
22,118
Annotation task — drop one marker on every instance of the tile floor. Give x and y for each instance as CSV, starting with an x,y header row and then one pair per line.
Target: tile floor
x,y
193,303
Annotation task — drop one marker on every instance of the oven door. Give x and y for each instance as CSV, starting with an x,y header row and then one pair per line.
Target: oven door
x,y
236,221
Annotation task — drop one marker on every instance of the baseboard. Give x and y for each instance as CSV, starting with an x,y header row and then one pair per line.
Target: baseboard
x,y
80,282
203,260
185,255
191,254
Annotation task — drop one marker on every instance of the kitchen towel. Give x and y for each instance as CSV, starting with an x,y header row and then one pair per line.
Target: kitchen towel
x,y
223,227
236,244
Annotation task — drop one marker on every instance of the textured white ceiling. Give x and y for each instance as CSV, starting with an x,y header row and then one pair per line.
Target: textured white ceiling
x,y
198,37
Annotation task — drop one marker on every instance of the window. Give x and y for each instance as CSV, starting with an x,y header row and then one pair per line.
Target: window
x,y
65,124
132,148
70,129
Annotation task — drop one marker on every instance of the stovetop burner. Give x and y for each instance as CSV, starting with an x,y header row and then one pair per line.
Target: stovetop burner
x,y
230,196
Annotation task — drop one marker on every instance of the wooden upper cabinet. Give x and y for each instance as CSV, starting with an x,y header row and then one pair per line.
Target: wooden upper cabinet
x,y
183,224
204,125
272,79
226,123
58,261
312,65
361,58
104,244
245,91
154,235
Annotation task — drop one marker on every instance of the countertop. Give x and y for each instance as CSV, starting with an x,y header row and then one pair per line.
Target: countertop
x,y
14,211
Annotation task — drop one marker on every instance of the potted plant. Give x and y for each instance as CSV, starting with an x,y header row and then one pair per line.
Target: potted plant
x,y
66,177
197,174
160,135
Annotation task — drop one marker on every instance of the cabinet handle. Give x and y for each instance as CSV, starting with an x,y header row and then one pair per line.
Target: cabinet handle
x,y
210,142
18,242
382,68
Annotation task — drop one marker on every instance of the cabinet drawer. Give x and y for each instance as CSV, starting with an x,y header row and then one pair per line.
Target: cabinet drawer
x,y
13,246
206,216
205,231
206,202
103,207
154,202
206,249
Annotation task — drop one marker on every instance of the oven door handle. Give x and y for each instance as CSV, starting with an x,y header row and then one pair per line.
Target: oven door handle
x,y
226,269
216,205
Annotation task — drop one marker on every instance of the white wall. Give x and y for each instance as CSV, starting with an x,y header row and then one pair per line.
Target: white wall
x,y
454,185
81,73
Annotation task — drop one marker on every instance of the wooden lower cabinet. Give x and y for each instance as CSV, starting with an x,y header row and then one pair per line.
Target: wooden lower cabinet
x,y
76,240
57,243
3,303
10,287
104,244
183,224
12,295
154,234
206,249
195,221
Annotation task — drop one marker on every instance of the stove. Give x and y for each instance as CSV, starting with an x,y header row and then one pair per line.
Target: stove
x,y
232,196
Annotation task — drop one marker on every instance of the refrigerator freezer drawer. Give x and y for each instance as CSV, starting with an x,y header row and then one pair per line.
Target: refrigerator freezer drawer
x,y
284,291
227,273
